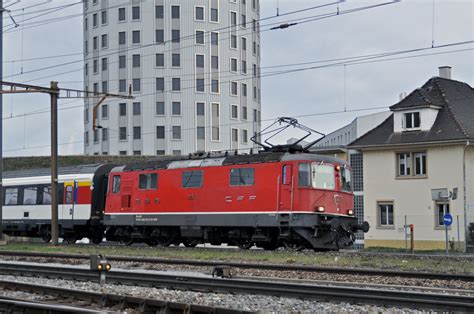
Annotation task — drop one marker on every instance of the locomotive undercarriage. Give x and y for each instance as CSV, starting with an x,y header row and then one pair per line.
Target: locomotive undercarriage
x,y
292,231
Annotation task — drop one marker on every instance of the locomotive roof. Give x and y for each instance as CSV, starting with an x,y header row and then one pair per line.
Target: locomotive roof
x,y
82,169
175,162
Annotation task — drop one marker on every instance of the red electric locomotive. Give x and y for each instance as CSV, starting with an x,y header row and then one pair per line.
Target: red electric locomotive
x,y
283,196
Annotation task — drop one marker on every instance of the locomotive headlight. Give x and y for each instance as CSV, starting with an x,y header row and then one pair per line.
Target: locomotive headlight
x,y
321,209
350,212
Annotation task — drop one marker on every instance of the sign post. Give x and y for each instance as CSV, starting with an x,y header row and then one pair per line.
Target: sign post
x,y
447,220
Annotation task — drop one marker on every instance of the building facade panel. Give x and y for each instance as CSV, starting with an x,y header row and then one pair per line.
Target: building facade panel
x,y
150,48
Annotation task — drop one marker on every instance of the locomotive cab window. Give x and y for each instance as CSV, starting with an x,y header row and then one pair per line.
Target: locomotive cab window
x,y
242,176
346,183
148,181
116,184
323,176
191,179
304,177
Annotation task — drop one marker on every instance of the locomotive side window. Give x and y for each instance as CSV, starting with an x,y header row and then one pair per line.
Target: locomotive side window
x,y
46,195
286,176
191,179
304,177
323,176
346,184
148,181
30,195
242,176
116,184
11,196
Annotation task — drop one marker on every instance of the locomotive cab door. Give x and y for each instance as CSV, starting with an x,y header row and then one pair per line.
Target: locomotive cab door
x,y
286,188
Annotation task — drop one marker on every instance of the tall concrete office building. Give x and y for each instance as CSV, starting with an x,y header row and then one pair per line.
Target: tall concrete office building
x,y
192,65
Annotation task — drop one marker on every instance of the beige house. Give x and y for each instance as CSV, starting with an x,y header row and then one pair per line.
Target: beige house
x,y
416,161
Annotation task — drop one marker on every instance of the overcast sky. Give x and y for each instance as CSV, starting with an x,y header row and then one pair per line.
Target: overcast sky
x,y
312,93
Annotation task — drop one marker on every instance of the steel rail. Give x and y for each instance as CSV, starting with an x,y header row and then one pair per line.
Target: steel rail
x,y
411,299
276,267
108,300
9,305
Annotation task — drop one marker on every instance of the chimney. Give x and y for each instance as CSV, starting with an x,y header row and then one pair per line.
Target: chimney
x,y
445,72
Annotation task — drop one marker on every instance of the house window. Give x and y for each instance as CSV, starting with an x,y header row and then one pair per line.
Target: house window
x,y
121,14
199,14
160,84
233,41
412,164
214,15
176,60
159,12
200,109
160,132
122,109
122,86
105,135
233,88
385,211
200,85
175,35
160,36
137,132
136,108
176,84
123,133
160,152
105,111
122,38
233,65
160,60
135,13
215,62
235,135
122,62
234,111
135,37
244,136
214,39
136,61
175,12
136,85
160,108
200,37
200,133
412,120
215,86
199,61
176,108
176,132
442,209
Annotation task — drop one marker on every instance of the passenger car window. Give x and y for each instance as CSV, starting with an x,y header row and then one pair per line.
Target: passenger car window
x,y
30,195
191,179
46,195
11,196
148,181
242,176
69,196
116,184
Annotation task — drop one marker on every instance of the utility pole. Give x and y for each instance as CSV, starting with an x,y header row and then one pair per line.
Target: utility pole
x,y
54,163
55,93
1,121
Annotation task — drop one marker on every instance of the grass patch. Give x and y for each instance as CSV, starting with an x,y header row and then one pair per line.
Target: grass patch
x,y
408,263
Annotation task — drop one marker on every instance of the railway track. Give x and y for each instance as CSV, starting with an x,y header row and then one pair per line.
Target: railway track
x,y
96,300
431,301
276,267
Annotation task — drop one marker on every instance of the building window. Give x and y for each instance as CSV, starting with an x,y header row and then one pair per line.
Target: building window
x,y
199,13
442,208
104,41
243,20
233,88
103,16
200,37
105,135
159,11
200,109
215,121
200,85
104,64
160,132
412,120
215,86
411,164
95,66
199,61
135,13
176,132
176,108
137,132
96,136
160,60
234,111
233,41
214,15
235,135
201,133
160,108
214,38
233,18
244,136
215,62
176,60
176,84
121,14
385,211
122,62
244,43
160,152
105,87
122,152
122,38
175,12
136,108
242,176
233,64
160,36
136,61
244,113
160,84
95,43
135,37
136,85
86,137
175,35
105,112
94,20
243,89
137,153
122,133
122,109
122,86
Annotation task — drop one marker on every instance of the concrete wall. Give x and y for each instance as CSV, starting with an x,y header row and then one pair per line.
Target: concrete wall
x,y
411,197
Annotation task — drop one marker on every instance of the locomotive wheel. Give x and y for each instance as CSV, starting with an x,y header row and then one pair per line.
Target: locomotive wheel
x,y
294,245
46,237
126,240
190,243
70,239
96,239
164,241
244,244
270,246
151,241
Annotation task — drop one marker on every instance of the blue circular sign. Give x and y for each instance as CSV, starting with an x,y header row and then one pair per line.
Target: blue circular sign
x,y
447,219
